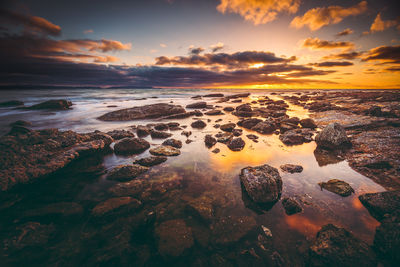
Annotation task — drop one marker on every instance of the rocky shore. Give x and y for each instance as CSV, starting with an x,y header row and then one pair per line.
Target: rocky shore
x,y
150,214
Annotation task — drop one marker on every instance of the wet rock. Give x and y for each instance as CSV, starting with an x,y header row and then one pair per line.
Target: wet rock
x,y
216,150
186,133
291,168
20,123
214,95
151,161
264,127
237,132
119,134
126,172
143,131
325,157
338,187
387,239
174,237
262,183
113,204
252,136
296,137
227,127
159,134
291,206
165,151
229,109
131,146
209,140
231,229
161,127
198,124
285,126
224,137
267,232
236,144
332,137
202,207
173,142
131,188
244,110
249,123
143,112
173,124
236,101
60,104
55,210
214,112
335,246
381,204
19,130
45,152
11,103
308,123
201,104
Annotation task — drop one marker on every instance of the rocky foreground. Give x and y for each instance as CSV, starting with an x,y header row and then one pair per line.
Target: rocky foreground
x,y
148,218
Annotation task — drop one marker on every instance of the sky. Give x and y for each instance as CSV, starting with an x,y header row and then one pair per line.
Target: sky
x,y
200,44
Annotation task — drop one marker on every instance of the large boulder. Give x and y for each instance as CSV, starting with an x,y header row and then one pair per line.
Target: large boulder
x,y
381,204
126,172
332,137
143,112
262,183
131,146
59,104
336,246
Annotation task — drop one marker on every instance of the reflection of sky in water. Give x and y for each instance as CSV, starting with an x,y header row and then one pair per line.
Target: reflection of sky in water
x,y
322,206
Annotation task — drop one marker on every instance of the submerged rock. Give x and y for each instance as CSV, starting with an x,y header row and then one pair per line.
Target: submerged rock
x,y
332,137
291,168
338,187
231,229
291,206
60,104
165,151
174,237
236,144
151,161
209,140
262,183
381,204
11,103
202,207
198,124
126,172
335,246
131,146
173,142
296,136
143,112
387,239
113,204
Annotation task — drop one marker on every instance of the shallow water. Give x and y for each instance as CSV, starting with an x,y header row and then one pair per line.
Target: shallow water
x,y
202,172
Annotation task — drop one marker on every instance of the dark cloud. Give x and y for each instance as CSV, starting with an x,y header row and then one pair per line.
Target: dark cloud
x,y
344,32
333,64
196,50
386,54
315,43
31,23
348,56
393,69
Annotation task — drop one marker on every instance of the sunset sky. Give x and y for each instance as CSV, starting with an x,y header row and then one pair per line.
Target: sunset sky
x,y
194,44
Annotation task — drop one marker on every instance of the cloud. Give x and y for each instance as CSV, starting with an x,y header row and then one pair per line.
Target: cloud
x,y
319,17
105,59
195,50
256,11
163,45
217,47
379,25
31,23
344,32
333,64
315,43
109,45
393,69
347,56
385,54
235,60
88,31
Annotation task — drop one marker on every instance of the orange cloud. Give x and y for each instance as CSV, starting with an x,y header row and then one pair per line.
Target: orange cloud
x,y
319,17
379,25
105,59
315,43
348,56
256,11
385,54
344,32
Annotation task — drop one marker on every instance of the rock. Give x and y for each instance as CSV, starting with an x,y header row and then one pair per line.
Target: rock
x,y
20,123
264,127
335,246
113,204
201,104
214,112
262,183
227,127
17,130
165,151
173,142
291,206
338,187
228,230
267,232
143,131
60,104
332,137
209,140
198,124
291,168
174,237
224,137
237,132
296,137
308,123
126,172
249,123
196,113
150,161
119,134
186,133
131,145
229,109
381,204
161,127
143,112
45,152
325,157
236,144
11,103
159,134
387,239
202,207
214,95
252,136
55,210
216,150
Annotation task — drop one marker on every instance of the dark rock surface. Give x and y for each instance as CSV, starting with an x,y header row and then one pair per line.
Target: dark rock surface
x,y
53,105
381,204
131,145
308,123
228,127
296,136
142,131
291,206
291,168
119,134
201,104
165,151
332,137
126,172
236,144
113,204
338,187
173,142
209,140
231,229
264,127
11,103
150,161
198,124
159,134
